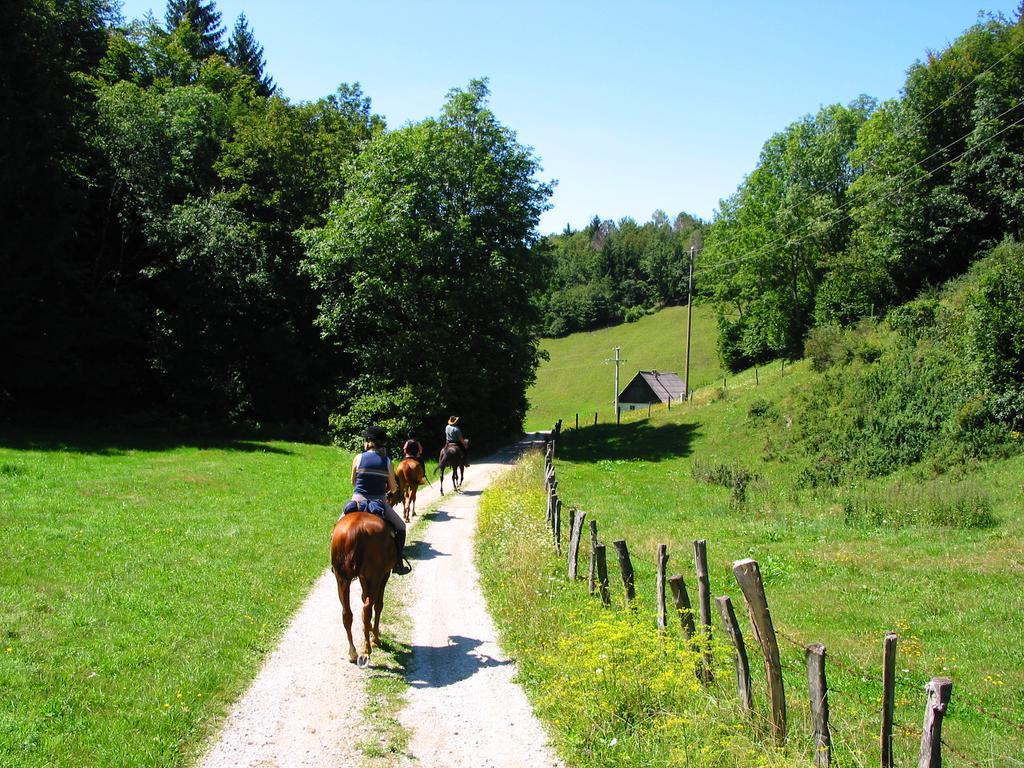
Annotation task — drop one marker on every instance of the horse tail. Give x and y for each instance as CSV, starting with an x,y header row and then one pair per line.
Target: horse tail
x,y
352,561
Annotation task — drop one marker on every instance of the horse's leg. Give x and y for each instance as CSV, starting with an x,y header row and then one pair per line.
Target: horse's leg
x,y
368,598
378,606
346,613
442,479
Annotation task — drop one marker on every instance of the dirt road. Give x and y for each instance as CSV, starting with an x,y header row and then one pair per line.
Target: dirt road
x,y
305,707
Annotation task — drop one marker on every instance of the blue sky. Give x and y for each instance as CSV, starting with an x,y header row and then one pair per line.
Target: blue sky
x,y
630,106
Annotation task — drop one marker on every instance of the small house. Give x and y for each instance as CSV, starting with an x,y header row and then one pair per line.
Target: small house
x,y
649,387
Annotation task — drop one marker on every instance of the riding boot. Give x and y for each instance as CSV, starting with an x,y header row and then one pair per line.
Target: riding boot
x,y
401,567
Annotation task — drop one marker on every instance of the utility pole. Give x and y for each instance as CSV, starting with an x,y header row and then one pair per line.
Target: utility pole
x,y
617,361
689,324
617,385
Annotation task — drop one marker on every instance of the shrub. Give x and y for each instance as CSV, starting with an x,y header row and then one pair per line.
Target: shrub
x,y
825,470
735,478
995,330
870,351
761,410
396,409
915,319
827,345
632,314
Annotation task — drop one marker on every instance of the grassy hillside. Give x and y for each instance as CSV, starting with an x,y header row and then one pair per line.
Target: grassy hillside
x,y
143,581
578,380
917,559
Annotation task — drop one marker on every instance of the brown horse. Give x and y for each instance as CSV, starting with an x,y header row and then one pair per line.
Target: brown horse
x,y
452,456
362,546
409,474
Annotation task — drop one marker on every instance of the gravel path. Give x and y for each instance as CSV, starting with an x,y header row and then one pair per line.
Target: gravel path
x,y
464,710
305,707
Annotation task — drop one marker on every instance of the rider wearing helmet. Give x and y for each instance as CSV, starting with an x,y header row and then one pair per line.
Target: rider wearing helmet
x,y
413,449
373,478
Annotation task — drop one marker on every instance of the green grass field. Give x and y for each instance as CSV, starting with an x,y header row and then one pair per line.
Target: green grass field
x,y
576,378
143,581
955,595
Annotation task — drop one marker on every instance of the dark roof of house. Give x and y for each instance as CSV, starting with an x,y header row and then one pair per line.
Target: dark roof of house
x,y
662,384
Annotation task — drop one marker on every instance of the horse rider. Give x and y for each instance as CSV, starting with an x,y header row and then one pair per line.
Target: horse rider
x,y
453,435
373,477
413,449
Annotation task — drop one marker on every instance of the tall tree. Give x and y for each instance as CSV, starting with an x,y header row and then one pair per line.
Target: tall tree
x,y
427,271
770,247
48,52
247,54
202,18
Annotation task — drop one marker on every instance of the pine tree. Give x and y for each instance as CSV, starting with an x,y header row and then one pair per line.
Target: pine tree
x,y
203,18
247,54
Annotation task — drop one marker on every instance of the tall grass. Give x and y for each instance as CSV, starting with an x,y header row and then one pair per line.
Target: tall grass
x,y
932,557
610,688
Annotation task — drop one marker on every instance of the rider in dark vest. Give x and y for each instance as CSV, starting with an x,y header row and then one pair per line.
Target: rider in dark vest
x,y
373,477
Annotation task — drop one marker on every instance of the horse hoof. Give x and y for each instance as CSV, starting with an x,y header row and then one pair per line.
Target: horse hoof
x,y
363,661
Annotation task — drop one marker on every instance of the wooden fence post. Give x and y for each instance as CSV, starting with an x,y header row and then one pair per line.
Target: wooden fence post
x,y
682,603
732,629
939,691
602,573
595,418
558,525
748,576
888,696
575,530
700,559
591,583
577,421
818,691
660,586
626,566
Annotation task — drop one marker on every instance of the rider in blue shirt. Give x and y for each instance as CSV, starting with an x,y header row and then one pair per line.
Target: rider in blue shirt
x,y
453,434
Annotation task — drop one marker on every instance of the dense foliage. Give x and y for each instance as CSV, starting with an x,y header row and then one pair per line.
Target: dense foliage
x,y
152,251
940,381
858,208
427,271
609,272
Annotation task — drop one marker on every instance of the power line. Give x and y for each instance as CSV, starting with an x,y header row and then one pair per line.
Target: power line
x,y
918,121
926,175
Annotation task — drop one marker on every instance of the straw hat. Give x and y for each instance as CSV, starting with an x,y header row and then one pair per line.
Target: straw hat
x,y
453,420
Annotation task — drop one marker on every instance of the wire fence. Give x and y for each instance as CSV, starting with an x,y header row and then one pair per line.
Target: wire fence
x,y
853,714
